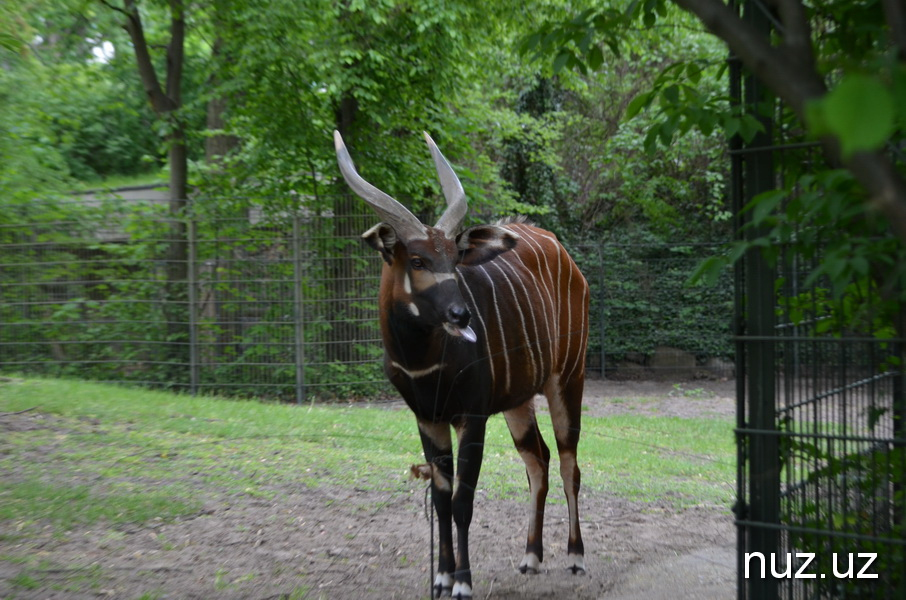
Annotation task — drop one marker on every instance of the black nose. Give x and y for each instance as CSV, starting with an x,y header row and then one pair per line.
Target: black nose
x,y
458,315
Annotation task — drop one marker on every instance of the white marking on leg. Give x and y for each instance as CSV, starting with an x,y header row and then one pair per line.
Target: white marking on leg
x,y
576,563
443,583
461,589
530,564
439,433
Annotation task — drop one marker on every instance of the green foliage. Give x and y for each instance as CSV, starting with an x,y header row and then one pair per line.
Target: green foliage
x,y
862,270
684,94
640,298
839,488
860,111
30,161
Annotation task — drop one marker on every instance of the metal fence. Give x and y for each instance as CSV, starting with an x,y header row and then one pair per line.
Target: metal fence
x,y
268,302
821,420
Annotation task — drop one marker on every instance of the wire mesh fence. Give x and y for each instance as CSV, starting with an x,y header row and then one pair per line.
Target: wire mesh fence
x,y
823,479
821,416
283,304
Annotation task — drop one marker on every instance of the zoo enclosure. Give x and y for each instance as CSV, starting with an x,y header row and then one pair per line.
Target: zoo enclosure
x,y
821,387
283,304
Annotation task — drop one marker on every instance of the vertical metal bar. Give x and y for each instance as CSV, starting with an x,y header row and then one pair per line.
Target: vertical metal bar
x,y
764,455
298,312
192,280
758,468
737,203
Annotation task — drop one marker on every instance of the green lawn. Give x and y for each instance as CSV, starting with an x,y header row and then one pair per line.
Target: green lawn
x,y
87,452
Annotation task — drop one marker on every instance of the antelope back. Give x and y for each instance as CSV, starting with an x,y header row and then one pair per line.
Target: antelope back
x,y
530,311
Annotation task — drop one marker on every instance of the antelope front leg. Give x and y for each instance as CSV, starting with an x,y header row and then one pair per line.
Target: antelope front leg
x,y
438,447
468,466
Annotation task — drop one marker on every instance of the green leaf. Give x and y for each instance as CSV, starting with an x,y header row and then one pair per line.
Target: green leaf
x,y
764,204
529,43
638,103
693,72
595,58
708,271
860,112
748,127
671,94
561,60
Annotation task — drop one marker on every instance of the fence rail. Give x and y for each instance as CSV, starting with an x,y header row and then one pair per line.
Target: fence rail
x,y
283,303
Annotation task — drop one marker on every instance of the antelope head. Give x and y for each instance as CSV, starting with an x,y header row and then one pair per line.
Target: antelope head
x,y
423,260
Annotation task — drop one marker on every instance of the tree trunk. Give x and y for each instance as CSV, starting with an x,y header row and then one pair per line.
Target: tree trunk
x,y
177,257
166,102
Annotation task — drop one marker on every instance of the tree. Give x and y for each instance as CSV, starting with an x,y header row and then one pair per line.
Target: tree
x,y
164,95
838,71
858,117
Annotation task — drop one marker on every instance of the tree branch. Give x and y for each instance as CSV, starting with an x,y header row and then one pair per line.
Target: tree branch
x,y
113,7
797,33
794,84
895,13
175,50
797,84
160,102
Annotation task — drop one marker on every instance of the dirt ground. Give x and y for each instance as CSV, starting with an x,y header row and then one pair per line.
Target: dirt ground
x,y
341,543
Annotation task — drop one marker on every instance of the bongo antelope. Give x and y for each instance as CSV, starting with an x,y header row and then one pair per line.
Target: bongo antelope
x,y
476,323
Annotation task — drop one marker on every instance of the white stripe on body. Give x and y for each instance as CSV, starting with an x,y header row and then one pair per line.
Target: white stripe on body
x,y
477,311
537,342
548,282
506,356
546,308
525,335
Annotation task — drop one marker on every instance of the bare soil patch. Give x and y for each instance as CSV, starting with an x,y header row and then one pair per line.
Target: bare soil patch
x,y
339,543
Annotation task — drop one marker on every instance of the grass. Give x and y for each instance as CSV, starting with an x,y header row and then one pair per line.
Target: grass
x,y
105,453
98,456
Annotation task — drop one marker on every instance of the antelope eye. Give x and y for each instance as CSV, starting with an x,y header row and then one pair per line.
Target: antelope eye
x,y
417,263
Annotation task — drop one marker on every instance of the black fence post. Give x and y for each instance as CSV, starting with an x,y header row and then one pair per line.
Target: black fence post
x,y
762,512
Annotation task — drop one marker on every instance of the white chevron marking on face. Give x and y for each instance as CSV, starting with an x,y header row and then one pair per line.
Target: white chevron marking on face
x,y
440,277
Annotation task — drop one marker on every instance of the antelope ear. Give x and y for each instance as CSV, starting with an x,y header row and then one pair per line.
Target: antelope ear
x,y
382,238
481,243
